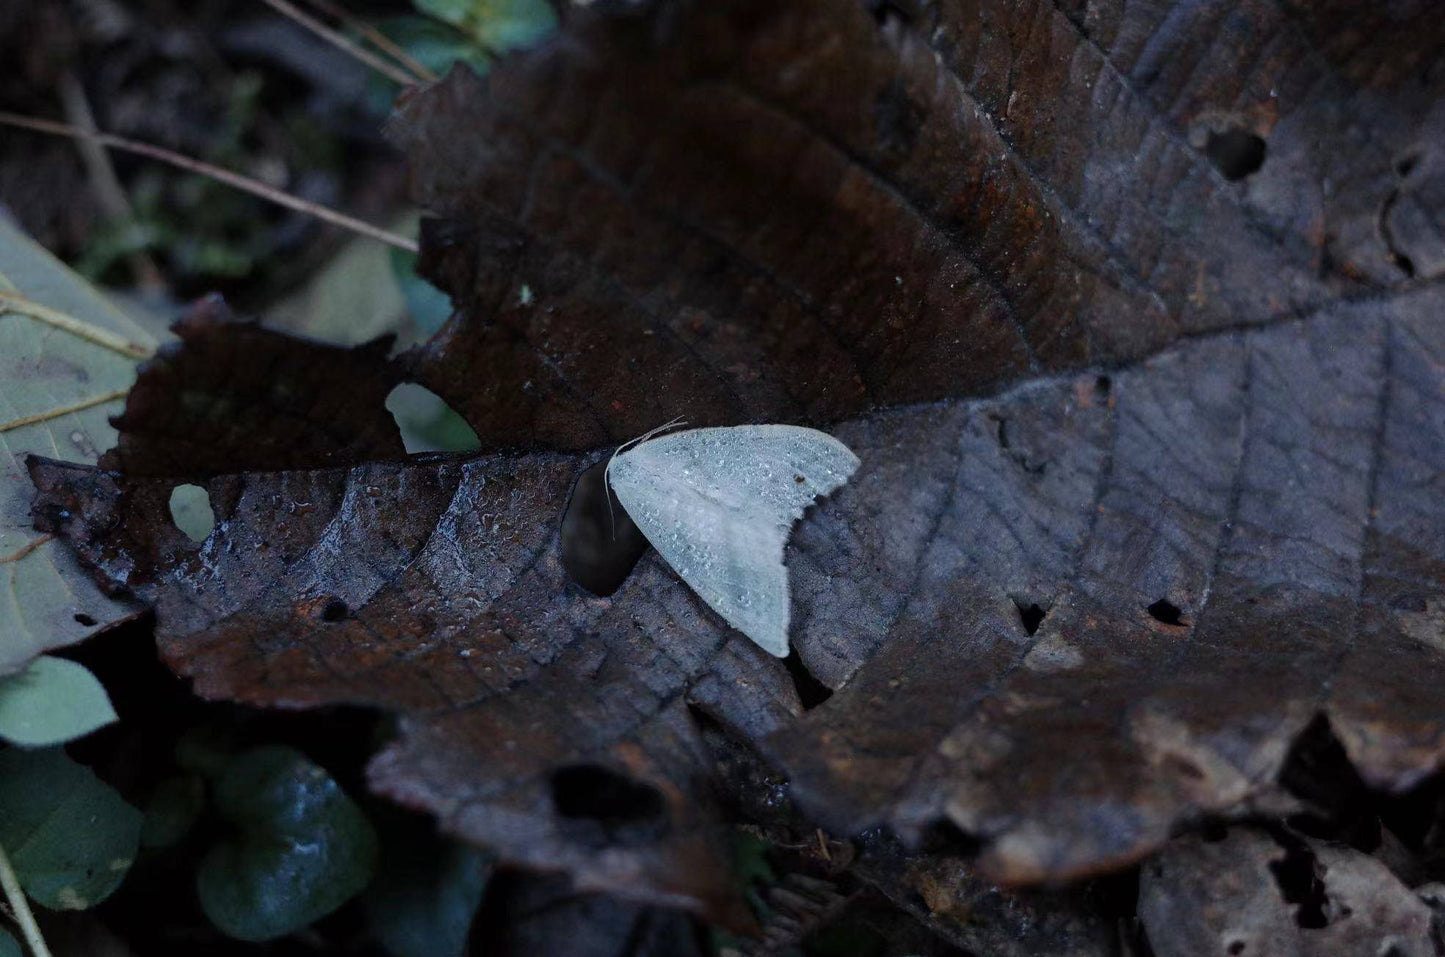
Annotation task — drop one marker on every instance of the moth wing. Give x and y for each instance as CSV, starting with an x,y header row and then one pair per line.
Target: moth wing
x,y
719,504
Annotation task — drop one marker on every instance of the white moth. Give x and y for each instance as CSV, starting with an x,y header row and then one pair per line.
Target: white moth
x,y
719,505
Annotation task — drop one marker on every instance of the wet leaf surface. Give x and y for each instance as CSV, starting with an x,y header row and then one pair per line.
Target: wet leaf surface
x,y
299,847
1152,433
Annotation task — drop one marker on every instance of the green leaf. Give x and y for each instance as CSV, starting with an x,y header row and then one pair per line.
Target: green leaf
x,y
426,892
173,810
427,423
428,306
496,25
302,846
46,599
69,835
353,299
51,702
8,945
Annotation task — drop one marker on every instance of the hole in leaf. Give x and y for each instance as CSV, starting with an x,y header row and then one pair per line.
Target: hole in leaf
x,y
334,610
811,691
1031,615
1167,612
1235,152
598,549
1340,807
1236,947
1404,263
86,620
1405,165
944,837
884,11
1298,885
1212,831
191,511
427,423
600,806
1103,385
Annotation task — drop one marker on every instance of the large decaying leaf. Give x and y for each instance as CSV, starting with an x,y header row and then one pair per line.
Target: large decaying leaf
x,y
46,600
1068,617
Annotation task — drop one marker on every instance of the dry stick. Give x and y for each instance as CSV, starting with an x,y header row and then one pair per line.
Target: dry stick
x,y
340,42
28,928
60,410
244,183
108,191
378,39
12,302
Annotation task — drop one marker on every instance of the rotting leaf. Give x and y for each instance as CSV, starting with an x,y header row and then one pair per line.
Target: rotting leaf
x,y
796,213
1228,897
231,391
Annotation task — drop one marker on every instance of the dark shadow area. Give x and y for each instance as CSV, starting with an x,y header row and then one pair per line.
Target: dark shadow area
x,y
599,547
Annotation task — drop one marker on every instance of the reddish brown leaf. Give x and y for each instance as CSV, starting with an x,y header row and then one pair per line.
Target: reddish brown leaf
x,y
1069,618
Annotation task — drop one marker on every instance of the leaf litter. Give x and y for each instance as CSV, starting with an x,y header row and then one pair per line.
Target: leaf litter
x,y
1149,458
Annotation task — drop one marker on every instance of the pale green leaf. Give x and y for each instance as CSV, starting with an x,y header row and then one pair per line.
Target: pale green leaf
x,y
355,298
51,702
70,836
46,599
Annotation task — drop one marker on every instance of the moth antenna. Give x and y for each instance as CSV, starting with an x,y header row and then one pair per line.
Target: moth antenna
x,y
607,469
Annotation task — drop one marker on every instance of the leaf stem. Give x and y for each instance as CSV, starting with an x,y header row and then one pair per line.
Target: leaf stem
x,y
28,928
60,410
379,39
13,302
388,70
243,183
25,549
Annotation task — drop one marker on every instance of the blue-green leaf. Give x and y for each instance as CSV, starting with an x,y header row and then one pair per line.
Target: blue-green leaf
x,y
496,25
69,835
302,847
426,892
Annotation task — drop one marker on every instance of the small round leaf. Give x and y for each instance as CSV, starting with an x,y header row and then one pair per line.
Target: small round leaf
x,y
302,847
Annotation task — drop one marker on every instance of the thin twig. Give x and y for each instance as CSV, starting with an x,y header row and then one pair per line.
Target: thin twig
x,y
60,410
340,42
378,39
108,191
28,928
26,549
13,302
244,183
